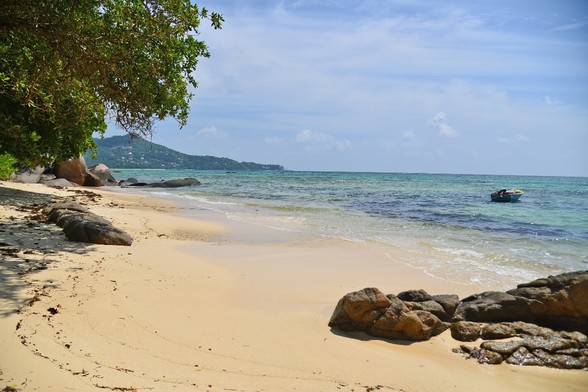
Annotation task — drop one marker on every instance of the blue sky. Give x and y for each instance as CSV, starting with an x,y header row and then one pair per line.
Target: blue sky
x,y
488,87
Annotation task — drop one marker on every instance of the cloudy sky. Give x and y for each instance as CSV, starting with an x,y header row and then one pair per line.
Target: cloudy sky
x,y
486,87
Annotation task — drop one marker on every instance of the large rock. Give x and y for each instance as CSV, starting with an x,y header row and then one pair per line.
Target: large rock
x,y
81,225
102,172
369,310
93,229
359,310
58,183
74,170
175,183
526,315
28,175
559,302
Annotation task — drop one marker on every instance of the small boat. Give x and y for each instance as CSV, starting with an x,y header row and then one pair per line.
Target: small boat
x,y
506,196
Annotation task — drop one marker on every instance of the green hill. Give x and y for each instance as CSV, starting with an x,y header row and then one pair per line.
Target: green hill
x,y
124,152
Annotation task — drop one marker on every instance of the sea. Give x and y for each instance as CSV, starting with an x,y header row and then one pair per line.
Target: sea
x,y
443,224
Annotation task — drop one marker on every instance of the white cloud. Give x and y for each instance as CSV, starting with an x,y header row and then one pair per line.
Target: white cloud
x,y
440,123
319,141
212,132
571,26
276,71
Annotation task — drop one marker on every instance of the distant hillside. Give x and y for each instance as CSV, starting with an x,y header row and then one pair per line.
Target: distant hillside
x,y
123,152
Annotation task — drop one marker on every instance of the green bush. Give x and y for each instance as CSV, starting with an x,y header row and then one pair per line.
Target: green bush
x,y
7,163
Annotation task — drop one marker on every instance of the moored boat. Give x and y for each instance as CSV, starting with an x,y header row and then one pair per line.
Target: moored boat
x,y
506,196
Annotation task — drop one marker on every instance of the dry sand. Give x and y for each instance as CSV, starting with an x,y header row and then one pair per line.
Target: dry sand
x,y
202,303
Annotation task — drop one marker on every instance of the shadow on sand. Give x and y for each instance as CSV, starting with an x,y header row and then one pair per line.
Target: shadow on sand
x,y
364,337
27,245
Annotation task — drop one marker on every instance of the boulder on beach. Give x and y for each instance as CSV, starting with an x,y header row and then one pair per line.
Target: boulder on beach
x,y
102,172
547,319
369,310
559,302
28,175
76,171
81,225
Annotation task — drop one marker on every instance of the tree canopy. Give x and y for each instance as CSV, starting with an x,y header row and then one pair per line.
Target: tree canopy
x,y
68,65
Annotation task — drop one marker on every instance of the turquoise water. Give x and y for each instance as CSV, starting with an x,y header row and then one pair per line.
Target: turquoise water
x,y
443,224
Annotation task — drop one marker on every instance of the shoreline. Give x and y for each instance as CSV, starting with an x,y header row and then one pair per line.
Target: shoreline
x,y
200,302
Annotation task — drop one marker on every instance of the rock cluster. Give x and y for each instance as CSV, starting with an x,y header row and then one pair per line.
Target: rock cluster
x,y
523,314
559,302
533,346
81,225
74,172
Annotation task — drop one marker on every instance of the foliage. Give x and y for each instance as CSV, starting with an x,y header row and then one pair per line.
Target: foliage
x,y
67,64
7,166
136,153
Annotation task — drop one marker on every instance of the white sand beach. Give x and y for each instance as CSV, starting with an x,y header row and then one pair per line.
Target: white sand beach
x,y
203,303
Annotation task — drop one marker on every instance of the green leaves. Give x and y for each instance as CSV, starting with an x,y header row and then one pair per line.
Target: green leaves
x,y
66,64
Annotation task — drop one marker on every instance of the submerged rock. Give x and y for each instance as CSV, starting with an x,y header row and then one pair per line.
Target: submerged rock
x,y
175,183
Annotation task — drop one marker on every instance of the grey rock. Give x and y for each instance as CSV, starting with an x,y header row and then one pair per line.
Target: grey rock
x,y
175,183
102,172
59,183
28,175
81,225
559,302
414,296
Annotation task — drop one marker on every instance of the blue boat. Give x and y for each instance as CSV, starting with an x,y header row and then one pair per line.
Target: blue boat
x,y
506,196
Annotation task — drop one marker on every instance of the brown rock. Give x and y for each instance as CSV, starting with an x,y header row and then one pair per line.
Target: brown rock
x,y
414,296
465,331
504,348
74,170
497,331
358,310
398,322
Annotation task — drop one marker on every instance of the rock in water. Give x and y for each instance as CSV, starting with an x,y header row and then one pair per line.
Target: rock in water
x,y
175,183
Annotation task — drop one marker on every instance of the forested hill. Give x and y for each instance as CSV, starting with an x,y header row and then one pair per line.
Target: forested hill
x,y
136,153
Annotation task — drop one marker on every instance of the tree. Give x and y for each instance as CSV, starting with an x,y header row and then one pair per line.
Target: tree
x,y
65,65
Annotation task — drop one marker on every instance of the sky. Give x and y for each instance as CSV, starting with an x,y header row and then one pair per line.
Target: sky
x,y
473,87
